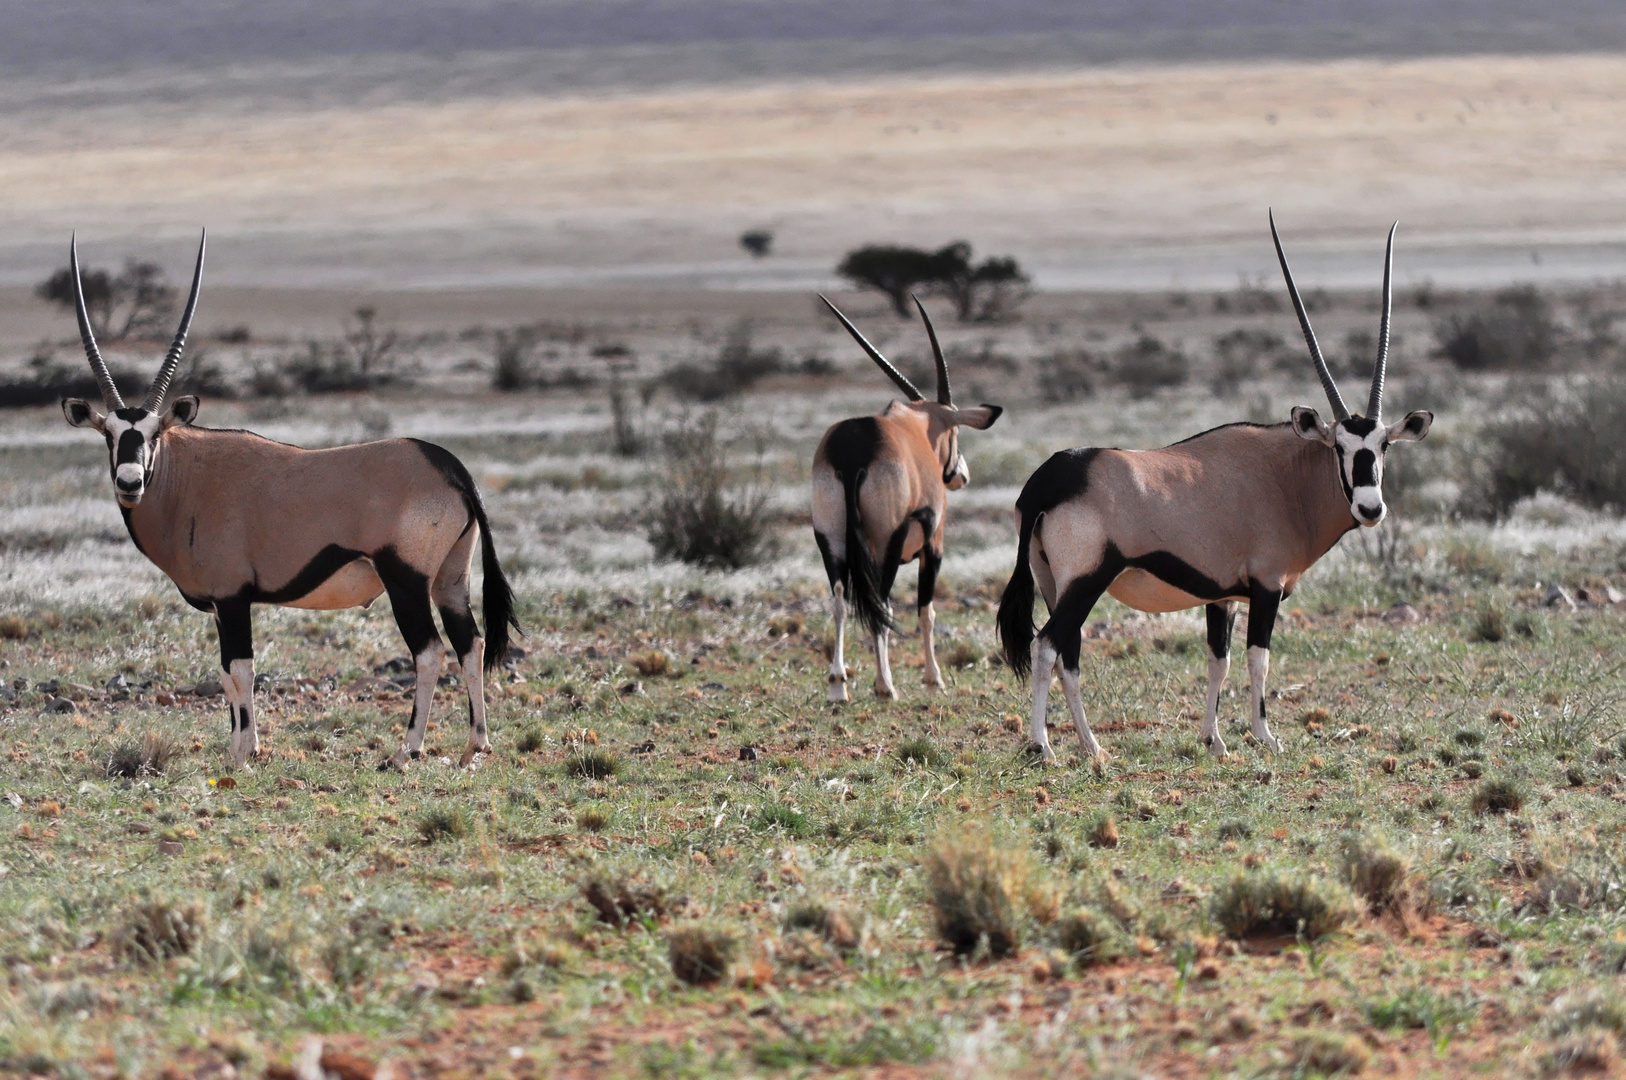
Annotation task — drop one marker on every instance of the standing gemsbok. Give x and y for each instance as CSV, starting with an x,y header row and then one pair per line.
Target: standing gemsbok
x,y
235,520
1236,513
880,492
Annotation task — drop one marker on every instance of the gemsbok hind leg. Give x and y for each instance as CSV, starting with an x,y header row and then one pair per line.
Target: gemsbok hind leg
x,y
930,562
1221,618
235,627
409,598
1262,605
835,569
1062,638
451,596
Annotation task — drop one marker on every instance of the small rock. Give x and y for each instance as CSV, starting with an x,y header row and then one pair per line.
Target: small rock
x,y
748,753
209,688
164,698
513,656
224,783
1584,595
140,828
290,783
394,666
7,694
327,789
60,705
713,686
632,689
78,691
645,747
170,847
1613,595
49,686
1558,596
1402,614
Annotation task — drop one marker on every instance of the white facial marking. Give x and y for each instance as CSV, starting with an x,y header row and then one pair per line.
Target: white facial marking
x,y
1363,477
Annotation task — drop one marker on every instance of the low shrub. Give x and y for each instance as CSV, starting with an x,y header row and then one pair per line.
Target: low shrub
x,y
1069,375
1149,365
1271,902
738,366
1373,869
1518,331
700,953
443,823
832,924
621,899
786,819
1329,1053
1561,441
592,763
1090,936
1498,795
703,517
592,820
920,751
978,889
151,755
156,930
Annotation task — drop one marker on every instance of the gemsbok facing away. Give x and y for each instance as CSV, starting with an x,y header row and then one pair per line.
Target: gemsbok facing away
x,y
880,492
1236,513
235,519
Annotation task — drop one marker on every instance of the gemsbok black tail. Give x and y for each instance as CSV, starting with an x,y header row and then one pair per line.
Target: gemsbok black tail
x,y
861,577
1063,475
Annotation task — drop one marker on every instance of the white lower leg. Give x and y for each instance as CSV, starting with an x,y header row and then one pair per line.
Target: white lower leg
x,y
1258,668
883,666
928,623
838,659
1075,702
1044,659
1218,668
427,664
238,684
474,680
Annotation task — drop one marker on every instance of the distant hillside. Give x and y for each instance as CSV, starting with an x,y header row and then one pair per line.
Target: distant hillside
x,y
138,33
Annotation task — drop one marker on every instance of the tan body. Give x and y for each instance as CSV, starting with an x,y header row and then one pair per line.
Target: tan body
x,y
212,543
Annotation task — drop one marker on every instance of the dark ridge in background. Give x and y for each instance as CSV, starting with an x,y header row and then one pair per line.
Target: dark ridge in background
x,y
412,47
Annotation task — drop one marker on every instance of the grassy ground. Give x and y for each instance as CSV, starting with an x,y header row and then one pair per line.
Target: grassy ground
x,y
441,920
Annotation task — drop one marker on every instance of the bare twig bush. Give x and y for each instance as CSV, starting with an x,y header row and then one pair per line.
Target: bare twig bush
x,y
738,366
702,516
980,891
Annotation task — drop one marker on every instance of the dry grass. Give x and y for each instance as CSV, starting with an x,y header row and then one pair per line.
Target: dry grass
x,y
621,899
153,931
1498,796
1276,902
151,755
980,889
701,953
1372,868
1090,936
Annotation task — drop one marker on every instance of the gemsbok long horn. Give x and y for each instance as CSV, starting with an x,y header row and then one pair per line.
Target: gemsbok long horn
x,y
98,366
1374,406
172,359
944,395
875,354
1339,410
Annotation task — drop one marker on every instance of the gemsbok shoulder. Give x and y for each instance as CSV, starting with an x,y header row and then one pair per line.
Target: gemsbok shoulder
x,y
1236,513
235,520
880,496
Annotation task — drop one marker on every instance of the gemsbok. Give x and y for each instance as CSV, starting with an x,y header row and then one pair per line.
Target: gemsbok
x,y
1236,513
880,494
235,520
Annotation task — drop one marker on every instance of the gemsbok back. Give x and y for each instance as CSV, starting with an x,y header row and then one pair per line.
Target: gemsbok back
x,y
880,493
235,520
1236,513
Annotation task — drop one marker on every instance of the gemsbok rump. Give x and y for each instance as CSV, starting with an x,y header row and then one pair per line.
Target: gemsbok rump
x,y
880,493
1236,513
235,519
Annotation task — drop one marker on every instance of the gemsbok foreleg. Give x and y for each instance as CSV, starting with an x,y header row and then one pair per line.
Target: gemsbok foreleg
x,y
835,569
1221,619
235,626
931,561
1262,605
451,595
409,598
1062,638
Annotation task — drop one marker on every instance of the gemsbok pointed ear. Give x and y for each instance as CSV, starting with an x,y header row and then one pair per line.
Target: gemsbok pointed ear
x,y
1412,428
1307,423
81,413
981,417
183,410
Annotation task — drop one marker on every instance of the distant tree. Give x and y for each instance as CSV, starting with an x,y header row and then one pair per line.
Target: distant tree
x,y
759,242
983,292
136,303
368,345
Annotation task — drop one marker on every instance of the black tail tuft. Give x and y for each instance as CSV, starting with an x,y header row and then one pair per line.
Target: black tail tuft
x,y
497,597
863,577
1016,605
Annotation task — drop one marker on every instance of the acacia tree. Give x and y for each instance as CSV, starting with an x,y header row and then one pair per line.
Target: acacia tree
x,y
138,302
982,292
